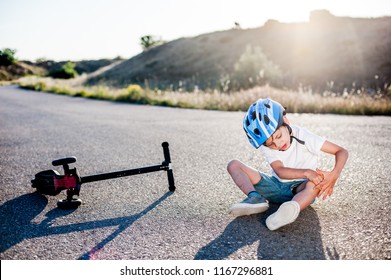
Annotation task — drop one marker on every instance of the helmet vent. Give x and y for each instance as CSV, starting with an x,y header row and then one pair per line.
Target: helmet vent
x,y
267,120
267,106
254,115
256,131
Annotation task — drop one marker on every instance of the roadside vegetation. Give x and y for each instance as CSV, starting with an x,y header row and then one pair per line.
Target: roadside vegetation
x,y
300,101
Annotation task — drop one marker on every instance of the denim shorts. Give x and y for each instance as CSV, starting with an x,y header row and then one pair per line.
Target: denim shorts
x,y
274,190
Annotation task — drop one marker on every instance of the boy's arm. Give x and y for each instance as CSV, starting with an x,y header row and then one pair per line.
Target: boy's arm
x,y
322,180
330,178
293,173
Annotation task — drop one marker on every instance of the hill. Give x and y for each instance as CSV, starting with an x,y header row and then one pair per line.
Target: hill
x,y
19,69
43,68
326,53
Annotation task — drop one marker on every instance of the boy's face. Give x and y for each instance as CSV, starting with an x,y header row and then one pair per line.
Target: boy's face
x,y
280,140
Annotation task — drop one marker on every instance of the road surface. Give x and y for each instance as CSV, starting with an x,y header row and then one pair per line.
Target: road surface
x,y
137,218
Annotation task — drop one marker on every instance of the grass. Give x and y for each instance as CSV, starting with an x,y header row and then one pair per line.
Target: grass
x,y
299,101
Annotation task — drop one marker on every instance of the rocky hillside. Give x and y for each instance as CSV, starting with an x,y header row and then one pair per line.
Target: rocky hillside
x,y
19,69
326,53
43,68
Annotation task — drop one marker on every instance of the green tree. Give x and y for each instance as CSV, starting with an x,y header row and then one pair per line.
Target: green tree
x,y
66,71
149,41
254,68
7,56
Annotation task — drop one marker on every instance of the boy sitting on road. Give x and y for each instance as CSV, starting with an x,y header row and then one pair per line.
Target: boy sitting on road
x,y
292,152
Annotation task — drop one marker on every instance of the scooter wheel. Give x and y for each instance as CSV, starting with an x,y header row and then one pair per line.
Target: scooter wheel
x,y
69,204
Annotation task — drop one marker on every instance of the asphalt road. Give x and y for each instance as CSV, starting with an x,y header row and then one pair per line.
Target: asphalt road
x,y
137,218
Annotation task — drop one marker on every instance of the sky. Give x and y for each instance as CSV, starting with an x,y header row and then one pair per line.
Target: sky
x,y
96,29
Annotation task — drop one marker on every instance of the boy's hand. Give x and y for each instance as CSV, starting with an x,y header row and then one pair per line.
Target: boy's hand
x,y
326,187
314,177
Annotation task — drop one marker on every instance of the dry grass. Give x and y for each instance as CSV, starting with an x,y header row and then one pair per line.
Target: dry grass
x,y
295,101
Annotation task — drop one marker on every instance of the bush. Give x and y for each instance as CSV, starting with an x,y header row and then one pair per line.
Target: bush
x,y
134,94
67,71
7,57
253,68
149,41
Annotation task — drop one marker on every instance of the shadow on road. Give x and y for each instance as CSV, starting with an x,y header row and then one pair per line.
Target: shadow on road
x,y
299,240
17,216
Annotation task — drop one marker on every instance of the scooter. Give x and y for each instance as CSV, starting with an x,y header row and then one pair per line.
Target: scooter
x,y
51,182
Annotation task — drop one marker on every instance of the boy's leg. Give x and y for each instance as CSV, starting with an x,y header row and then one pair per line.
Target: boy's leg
x,y
245,178
289,211
305,194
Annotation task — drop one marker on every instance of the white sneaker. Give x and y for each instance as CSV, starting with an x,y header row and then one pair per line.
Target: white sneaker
x,y
286,214
249,206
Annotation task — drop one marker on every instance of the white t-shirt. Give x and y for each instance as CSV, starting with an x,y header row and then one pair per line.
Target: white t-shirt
x,y
297,156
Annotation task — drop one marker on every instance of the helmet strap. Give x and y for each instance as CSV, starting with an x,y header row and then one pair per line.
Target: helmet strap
x,y
290,133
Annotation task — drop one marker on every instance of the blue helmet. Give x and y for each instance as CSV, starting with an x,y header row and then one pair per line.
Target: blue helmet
x,y
263,118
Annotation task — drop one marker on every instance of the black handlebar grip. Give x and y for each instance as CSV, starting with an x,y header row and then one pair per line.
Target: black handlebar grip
x,y
166,152
167,161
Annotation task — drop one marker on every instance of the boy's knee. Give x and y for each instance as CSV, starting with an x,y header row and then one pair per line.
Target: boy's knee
x,y
233,165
